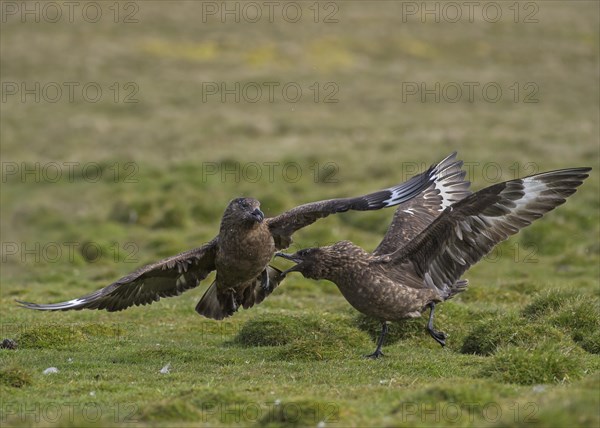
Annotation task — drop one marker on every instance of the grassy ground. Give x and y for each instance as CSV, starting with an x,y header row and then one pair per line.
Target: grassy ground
x,y
152,178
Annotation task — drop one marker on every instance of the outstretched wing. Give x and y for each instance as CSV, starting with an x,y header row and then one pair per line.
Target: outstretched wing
x,y
166,278
415,215
284,225
469,229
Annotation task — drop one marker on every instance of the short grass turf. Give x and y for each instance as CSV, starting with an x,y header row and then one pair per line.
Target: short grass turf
x,y
523,340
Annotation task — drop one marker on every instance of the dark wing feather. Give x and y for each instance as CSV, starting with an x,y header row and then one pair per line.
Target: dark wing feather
x,y
415,215
469,229
284,225
166,278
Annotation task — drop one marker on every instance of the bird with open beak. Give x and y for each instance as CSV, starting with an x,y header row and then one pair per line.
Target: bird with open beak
x,y
432,241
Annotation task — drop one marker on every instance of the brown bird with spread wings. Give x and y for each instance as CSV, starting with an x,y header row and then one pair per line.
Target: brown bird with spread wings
x,y
431,242
240,254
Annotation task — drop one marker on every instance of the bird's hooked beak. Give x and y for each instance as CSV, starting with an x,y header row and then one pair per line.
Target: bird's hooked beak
x,y
258,215
291,257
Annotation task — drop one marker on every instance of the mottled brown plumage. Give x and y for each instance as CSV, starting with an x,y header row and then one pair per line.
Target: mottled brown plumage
x,y
240,254
425,265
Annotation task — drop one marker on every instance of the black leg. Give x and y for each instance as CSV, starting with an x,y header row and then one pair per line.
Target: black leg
x,y
264,281
378,353
439,336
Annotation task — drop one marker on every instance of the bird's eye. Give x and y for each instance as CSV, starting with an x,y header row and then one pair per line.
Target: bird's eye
x,y
244,204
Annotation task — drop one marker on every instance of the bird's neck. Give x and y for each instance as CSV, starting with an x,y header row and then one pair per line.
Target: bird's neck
x,y
234,226
342,266
245,234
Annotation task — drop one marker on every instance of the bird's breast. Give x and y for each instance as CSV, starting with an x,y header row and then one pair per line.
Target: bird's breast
x,y
243,255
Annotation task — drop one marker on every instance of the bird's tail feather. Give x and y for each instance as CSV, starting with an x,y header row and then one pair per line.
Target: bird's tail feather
x,y
217,305
209,305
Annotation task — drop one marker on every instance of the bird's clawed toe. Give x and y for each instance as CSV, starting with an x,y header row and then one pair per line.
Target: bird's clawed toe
x,y
439,337
374,355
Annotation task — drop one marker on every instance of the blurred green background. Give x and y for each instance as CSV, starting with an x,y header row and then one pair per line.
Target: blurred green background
x,y
150,114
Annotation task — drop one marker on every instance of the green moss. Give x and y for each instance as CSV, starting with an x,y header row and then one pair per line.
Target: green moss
x,y
550,363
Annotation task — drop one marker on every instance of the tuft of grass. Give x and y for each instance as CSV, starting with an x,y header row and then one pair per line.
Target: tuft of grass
x,y
581,317
15,376
269,330
590,341
303,337
547,302
549,363
578,316
58,336
487,335
328,343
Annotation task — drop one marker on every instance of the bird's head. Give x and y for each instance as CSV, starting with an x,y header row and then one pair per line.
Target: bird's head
x,y
307,262
246,209
320,262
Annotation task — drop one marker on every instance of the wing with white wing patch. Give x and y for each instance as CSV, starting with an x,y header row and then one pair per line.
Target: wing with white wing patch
x,y
469,229
415,215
